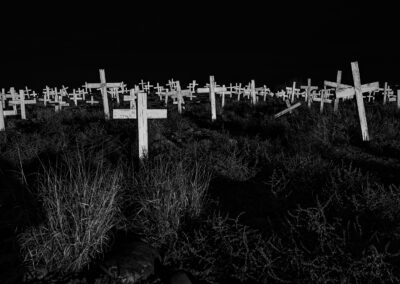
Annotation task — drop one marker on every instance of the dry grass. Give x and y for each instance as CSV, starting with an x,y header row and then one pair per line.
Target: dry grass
x,y
80,204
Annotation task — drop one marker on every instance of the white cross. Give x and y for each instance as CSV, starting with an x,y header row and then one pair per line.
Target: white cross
x,y
281,94
142,114
323,98
58,100
253,92
387,94
192,87
75,97
212,89
308,90
103,85
359,89
46,96
292,92
131,98
22,102
288,109
92,101
264,92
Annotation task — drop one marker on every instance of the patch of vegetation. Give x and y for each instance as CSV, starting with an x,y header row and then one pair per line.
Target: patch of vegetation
x,y
316,204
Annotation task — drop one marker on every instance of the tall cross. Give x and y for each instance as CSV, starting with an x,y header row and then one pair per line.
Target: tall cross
x,y
211,89
359,90
103,85
253,92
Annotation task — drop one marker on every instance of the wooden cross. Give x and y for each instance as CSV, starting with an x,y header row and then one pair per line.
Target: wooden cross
x,y
131,98
359,89
160,91
46,96
58,101
292,92
75,97
115,92
398,99
22,102
211,89
323,98
386,91
13,96
192,87
2,124
281,94
147,87
239,90
142,83
30,93
92,101
253,92
3,112
103,85
82,93
223,91
264,92
308,90
179,96
289,109
142,114
172,84
338,81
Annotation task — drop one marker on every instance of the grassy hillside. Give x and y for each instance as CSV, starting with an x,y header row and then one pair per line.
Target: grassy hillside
x,y
247,198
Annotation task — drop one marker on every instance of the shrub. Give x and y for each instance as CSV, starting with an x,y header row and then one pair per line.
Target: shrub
x,y
165,190
80,203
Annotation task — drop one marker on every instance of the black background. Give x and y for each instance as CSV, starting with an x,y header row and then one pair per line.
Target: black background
x,y
60,43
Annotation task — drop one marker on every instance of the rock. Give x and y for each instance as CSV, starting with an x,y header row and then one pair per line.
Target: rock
x,y
132,262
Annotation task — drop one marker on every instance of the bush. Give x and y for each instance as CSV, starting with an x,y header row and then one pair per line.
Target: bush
x,y
221,250
80,203
165,190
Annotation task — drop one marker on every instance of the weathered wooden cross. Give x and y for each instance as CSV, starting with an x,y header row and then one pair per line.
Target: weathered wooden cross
x,y
211,89
142,114
22,102
289,108
308,89
323,98
292,92
102,86
75,97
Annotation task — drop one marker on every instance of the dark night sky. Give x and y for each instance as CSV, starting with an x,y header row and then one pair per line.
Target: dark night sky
x,y
272,44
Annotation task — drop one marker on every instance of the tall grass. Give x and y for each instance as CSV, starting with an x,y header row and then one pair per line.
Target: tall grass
x,y
163,192
80,207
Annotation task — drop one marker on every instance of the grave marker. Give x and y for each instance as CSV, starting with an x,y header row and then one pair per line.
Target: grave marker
x,y
360,100
142,114
308,90
103,85
289,109
22,102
